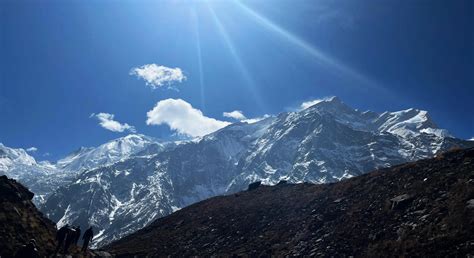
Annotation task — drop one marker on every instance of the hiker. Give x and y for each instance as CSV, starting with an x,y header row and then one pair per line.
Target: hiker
x,y
70,237
77,235
61,236
87,237
28,250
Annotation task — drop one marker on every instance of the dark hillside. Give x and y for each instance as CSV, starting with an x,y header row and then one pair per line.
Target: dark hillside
x,y
424,208
20,221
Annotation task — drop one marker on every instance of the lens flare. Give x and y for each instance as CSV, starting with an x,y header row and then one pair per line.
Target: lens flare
x,y
320,57
195,20
250,83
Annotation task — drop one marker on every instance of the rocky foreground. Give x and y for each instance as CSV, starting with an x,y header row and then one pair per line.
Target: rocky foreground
x,y
20,221
424,208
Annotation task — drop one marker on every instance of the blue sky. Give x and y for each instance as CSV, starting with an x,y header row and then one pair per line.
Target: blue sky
x,y
66,66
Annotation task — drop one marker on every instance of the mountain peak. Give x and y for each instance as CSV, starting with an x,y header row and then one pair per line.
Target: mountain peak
x,y
322,101
134,136
406,122
334,107
105,154
333,99
8,155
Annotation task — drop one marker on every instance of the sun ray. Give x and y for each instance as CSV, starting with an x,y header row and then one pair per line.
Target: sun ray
x,y
195,19
250,83
321,57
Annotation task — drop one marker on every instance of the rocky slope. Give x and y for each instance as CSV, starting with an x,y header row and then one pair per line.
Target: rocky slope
x,y
418,209
326,142
20,221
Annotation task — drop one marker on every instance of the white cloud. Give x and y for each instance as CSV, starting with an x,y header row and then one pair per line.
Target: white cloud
x,y
107,121
256,119
236,114
472,139
310,103
181,117
157,76
32,149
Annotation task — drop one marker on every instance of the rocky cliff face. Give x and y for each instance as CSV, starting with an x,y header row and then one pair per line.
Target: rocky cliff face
x,y
20,220
423,208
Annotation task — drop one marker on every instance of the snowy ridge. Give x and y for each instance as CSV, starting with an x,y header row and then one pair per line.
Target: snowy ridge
x,y
105,154
41,177
9,157
44,177
325,142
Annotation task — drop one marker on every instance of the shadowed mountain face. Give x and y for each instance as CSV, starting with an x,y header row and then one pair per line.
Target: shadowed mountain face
x,y
20,221
424,208
324,143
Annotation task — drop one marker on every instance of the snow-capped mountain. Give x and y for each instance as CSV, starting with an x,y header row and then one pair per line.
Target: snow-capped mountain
x,y
9,157
106,154
330,141
44,177
326,142
40,177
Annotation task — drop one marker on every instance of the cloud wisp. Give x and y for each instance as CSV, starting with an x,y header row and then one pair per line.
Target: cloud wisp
x,y
256,119
183,118
313,102
310,103
32,149
157,76
107,121
236,114
239,115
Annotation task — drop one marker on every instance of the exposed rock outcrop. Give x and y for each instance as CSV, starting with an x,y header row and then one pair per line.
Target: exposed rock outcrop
x,y
20,221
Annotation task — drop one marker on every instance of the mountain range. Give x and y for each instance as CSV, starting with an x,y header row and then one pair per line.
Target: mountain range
x,y
417,209
124,185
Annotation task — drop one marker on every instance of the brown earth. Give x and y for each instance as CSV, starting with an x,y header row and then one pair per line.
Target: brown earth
x,y
424,208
